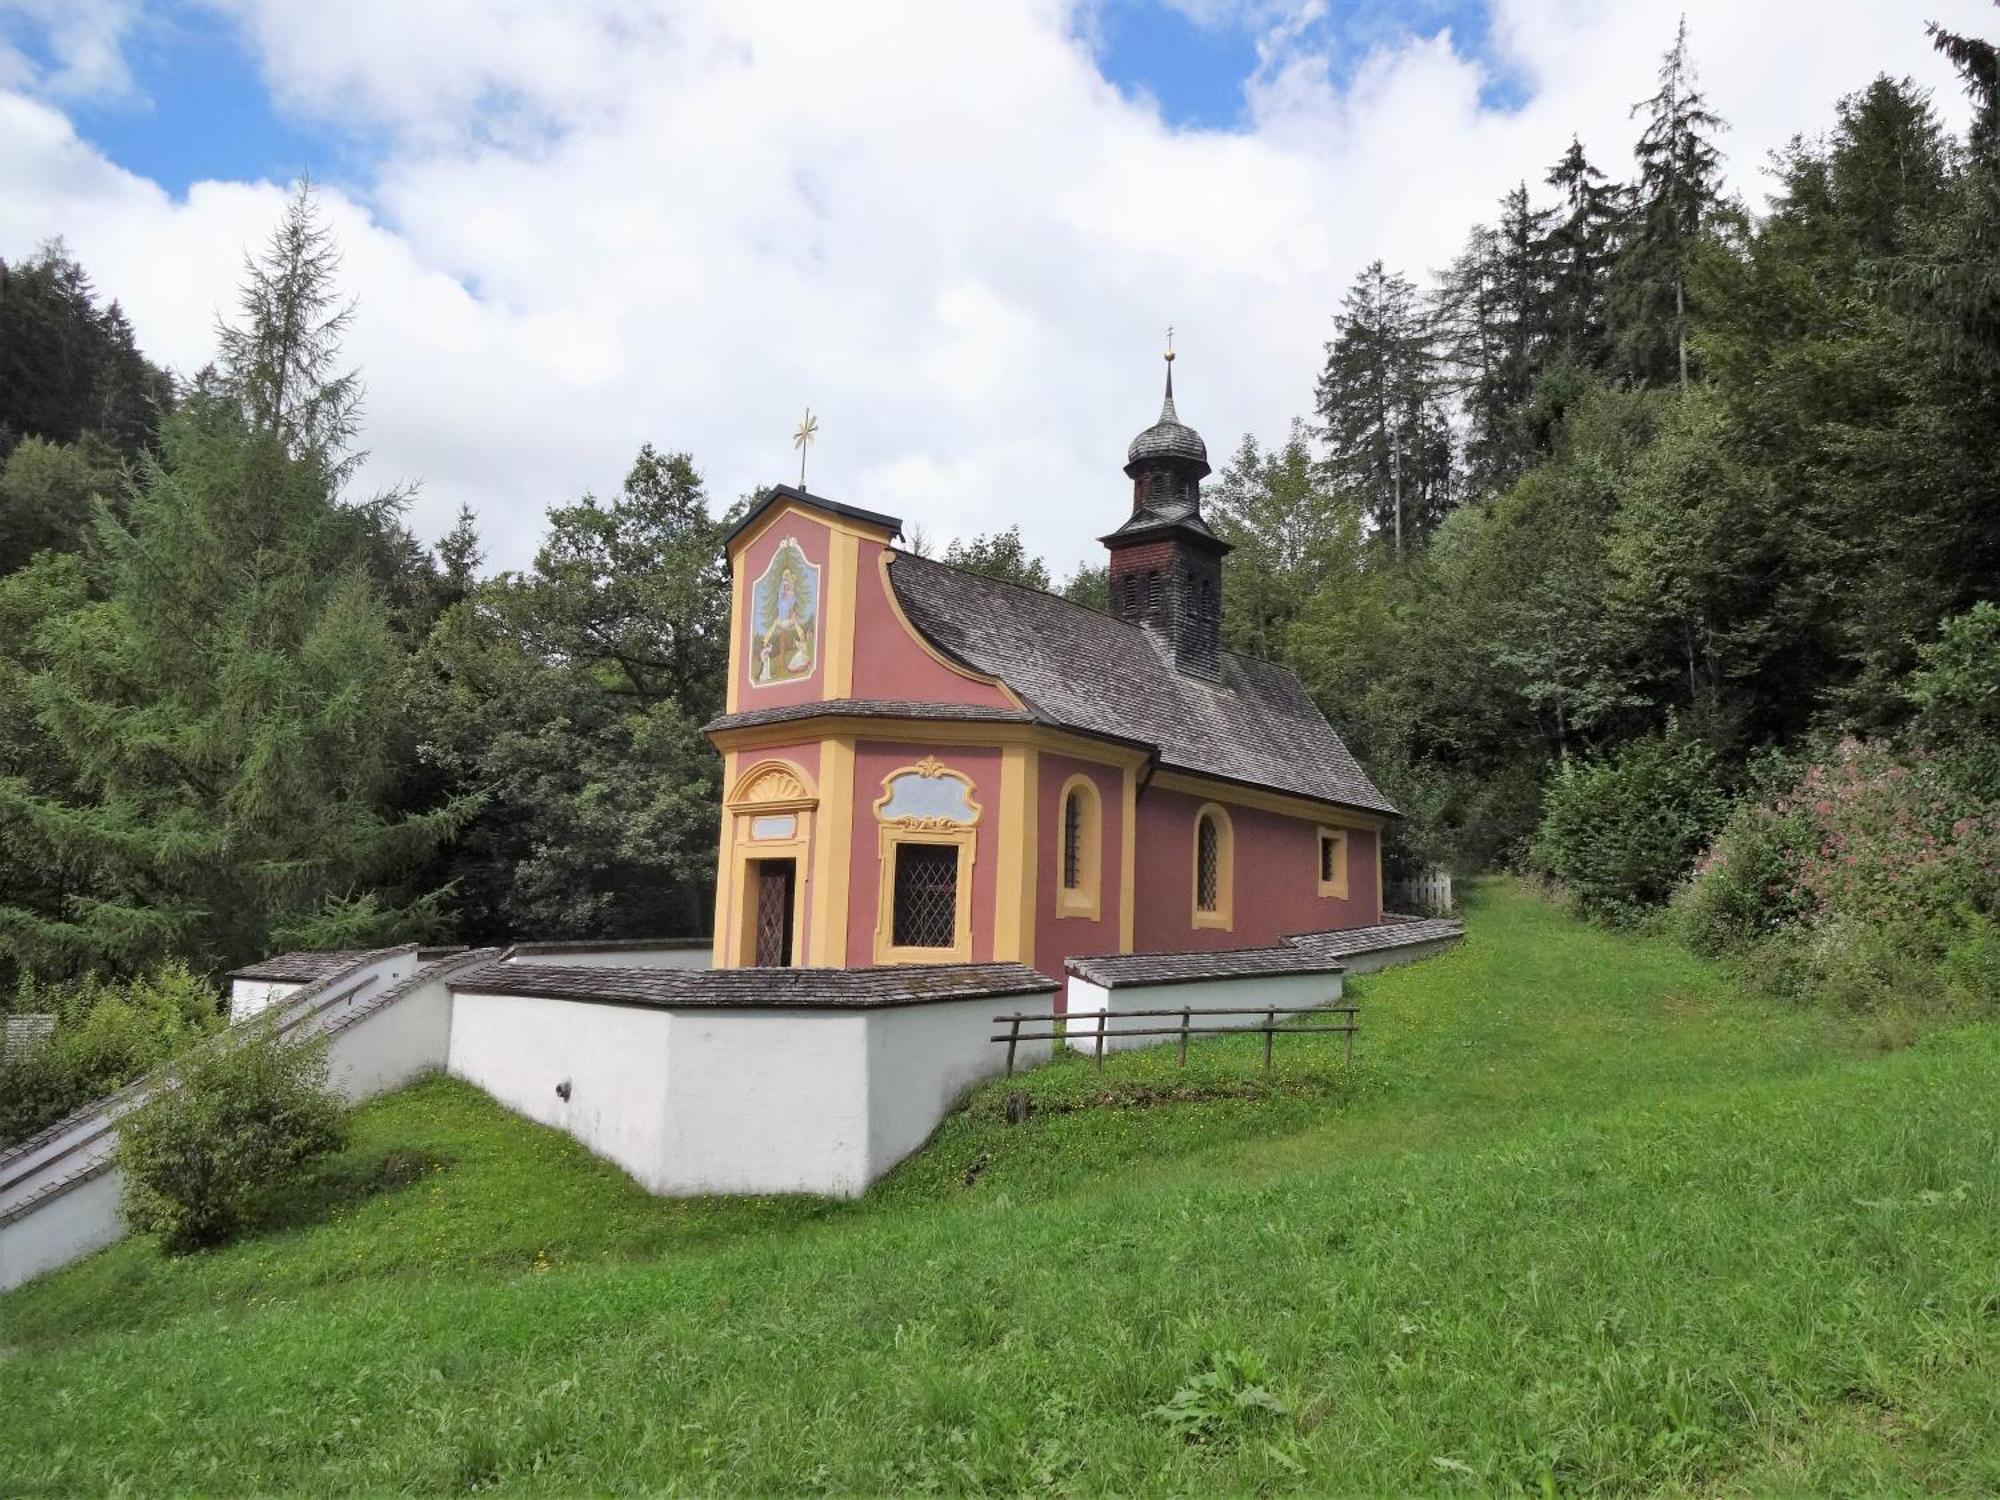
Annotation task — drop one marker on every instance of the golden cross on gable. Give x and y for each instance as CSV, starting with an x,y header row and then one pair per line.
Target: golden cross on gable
x,y
802,440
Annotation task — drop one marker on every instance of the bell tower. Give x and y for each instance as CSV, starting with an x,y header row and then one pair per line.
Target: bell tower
x,y
1166,565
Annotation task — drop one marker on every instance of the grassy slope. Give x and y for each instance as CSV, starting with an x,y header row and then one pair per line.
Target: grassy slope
x,y
1582,1218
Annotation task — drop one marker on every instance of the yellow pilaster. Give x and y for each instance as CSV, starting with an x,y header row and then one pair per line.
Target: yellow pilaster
x,y
1014,916
1128,859
844,578
722,947
833,842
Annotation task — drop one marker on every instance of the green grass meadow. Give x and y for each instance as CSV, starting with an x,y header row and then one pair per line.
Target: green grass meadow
x,y
1581,1217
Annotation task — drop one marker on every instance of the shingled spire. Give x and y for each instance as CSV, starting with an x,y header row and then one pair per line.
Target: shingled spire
x,y
1166,565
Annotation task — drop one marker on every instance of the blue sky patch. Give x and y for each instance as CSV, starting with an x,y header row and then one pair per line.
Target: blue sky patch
x,y
1196,70
198,107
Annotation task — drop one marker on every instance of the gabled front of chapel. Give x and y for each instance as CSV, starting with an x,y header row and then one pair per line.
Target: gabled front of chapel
x,y
923,765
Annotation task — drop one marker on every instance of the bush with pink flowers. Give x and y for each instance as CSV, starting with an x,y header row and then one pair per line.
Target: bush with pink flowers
x,y
1871,879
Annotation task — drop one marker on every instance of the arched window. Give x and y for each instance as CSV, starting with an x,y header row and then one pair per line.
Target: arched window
x,y
1131,595
1214,868
1153,592
1082,849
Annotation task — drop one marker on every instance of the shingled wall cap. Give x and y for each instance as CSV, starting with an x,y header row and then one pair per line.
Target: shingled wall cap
x,y
879,987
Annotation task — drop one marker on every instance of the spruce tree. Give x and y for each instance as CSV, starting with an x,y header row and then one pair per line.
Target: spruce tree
x,y
1674,200
1381,411
1578,248
226,710
1496,305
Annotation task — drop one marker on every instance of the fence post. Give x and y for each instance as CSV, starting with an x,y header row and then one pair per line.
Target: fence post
x,y
1270,1035
1184,1034
1100,1036
1353,1020
1013,1041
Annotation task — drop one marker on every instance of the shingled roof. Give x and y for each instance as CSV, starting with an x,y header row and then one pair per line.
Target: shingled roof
x,y
757,989
1086,671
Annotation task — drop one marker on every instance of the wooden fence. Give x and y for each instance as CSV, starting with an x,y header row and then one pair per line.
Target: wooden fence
x,y
1429,892
1073,1028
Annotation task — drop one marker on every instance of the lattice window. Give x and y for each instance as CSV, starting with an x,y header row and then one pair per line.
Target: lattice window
x,y
1208,865
1073,841
926,910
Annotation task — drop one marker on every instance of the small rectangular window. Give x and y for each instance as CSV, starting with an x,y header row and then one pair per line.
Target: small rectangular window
x,y
1332,863
926,896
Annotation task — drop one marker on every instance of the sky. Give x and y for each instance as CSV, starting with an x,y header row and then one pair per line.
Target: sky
x,y
956,229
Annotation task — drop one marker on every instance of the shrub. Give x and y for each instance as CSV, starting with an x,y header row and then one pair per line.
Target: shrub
x,y
1871,880
107,1034
1619,834
232,1120
1956,693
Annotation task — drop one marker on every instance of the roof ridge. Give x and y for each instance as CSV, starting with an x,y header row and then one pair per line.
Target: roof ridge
x,y
1140,630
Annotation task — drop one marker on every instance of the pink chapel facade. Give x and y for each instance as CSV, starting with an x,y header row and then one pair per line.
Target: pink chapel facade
x,y
922,765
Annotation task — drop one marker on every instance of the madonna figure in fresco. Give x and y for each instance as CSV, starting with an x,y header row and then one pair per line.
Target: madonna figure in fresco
x,y
784,647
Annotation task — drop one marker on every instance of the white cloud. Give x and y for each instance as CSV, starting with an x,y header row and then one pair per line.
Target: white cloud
x,y
592,225
83,49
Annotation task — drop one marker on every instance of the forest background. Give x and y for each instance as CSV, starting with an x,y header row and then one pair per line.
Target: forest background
x,y
1651,546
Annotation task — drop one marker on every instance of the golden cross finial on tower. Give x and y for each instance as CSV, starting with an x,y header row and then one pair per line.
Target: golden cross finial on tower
x,y
802,440
1170,343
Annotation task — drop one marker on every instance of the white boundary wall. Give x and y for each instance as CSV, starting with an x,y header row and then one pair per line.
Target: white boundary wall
x,y
1087,1001
728,1099
386,1022
249,996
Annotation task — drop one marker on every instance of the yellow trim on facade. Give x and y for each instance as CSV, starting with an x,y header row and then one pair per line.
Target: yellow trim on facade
x,y
832,852
1378,877
1128,860
772,785
732,694
896,609
842,534
961,834
1264,801
844,575
964,838
930,768
833,523
749,853
1222,915
968,732
725,875
1015,883
1083,899
1335,887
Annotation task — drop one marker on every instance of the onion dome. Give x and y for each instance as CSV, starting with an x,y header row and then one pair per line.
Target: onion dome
x,y
1168,441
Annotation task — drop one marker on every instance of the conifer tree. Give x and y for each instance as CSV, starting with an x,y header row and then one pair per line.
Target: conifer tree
x,y
1381,410
226,710
1496,305
1674,200
1578,248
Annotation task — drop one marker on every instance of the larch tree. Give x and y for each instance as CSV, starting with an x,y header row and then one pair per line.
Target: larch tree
x,y
224,705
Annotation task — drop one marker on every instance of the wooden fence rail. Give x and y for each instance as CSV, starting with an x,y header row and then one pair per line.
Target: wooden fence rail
x,y
1065,1028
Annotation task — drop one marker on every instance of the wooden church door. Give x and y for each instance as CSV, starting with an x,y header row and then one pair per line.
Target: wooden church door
x,y
774,912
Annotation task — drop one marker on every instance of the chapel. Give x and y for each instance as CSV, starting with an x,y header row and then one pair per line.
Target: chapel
x,y
923,765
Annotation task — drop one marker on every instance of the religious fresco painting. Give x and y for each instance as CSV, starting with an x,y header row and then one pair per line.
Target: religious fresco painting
x,y
784,616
